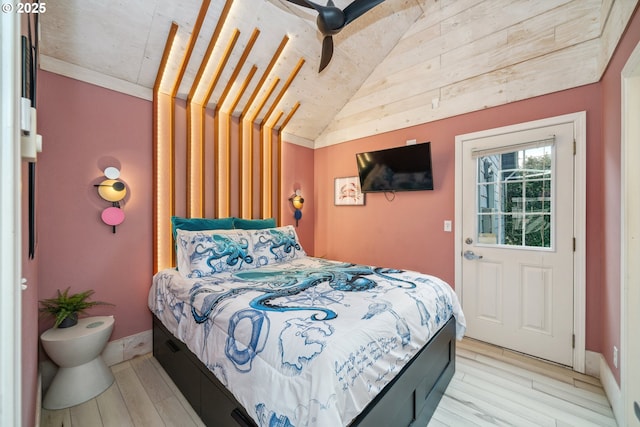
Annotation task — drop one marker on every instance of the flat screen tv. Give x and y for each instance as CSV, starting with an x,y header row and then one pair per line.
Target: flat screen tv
x,y
406,168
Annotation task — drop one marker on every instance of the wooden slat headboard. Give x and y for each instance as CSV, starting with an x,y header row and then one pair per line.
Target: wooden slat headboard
x,y
214,162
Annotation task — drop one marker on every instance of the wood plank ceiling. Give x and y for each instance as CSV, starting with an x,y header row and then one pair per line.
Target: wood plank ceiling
x,y
405,62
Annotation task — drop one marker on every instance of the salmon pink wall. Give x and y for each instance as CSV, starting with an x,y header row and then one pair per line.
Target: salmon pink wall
x,y
610,161
85,129
29,329
407,232
297,173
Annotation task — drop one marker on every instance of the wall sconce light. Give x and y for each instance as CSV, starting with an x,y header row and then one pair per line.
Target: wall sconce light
x,y
297,201
112,190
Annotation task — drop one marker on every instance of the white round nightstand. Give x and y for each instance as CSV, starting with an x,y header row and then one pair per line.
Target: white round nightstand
x,y
76,350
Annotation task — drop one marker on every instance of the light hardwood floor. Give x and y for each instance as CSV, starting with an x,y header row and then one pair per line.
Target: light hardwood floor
x,y
491,387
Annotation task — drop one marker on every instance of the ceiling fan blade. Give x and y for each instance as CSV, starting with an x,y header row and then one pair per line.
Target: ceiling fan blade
x,y
302,3
327,52
357,8
332,19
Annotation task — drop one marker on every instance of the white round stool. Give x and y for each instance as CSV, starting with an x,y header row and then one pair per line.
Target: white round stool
x,y
76,350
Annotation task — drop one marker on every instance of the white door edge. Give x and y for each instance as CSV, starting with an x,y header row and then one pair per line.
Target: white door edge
x,y
579,121
629,229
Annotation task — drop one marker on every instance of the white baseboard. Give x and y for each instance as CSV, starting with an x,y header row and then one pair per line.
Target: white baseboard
x,y
592,363
612,390
127,348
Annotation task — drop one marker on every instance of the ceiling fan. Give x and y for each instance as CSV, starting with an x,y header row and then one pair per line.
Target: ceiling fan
x,y
332,19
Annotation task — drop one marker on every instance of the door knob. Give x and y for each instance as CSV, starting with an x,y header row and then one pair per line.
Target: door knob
x,y
471,256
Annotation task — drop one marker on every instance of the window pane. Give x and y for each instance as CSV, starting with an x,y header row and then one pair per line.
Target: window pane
x,y
512,198
538,231
538,195
488,168
514,205
513,230
488,226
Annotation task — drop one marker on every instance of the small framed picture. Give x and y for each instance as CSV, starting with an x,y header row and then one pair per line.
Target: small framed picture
x,y
346,192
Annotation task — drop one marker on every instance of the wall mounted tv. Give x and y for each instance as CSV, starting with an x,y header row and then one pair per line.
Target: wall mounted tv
x,y
406,168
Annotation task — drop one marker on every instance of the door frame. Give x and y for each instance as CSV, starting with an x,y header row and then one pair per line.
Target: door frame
x,y
579,121
629,232
10,231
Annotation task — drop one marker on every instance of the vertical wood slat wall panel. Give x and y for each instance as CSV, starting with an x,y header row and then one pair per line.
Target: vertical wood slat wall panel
x,y
174,90
261,105
221,193
216,165
267,171
247,168
218,152
225,153
198,202
222,157
242,158
272,151
261,171
163,180
210,198
195,168
279,166
162,122
267,144
193,128
248,207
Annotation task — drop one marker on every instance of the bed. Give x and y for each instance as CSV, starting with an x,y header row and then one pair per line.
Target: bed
x,y
256,333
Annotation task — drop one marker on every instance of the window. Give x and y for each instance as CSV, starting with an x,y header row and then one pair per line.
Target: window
x,y
515,202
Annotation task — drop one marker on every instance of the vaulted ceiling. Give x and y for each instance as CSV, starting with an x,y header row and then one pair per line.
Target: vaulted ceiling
x,y
405,62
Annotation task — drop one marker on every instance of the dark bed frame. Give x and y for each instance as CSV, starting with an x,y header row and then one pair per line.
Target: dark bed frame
x,y
408,400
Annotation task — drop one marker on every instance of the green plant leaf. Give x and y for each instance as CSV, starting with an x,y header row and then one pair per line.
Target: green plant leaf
x,y
65,305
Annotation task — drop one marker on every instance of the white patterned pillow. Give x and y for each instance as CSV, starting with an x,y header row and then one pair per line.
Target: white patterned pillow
x,y
207,252
275,245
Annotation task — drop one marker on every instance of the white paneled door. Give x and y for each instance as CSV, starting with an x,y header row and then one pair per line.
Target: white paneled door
x,y
518,240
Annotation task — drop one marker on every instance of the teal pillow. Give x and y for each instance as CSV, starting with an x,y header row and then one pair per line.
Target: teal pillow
x,y
254,224
199,224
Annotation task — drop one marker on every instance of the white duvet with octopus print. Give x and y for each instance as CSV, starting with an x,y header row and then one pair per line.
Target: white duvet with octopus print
x,y
309,342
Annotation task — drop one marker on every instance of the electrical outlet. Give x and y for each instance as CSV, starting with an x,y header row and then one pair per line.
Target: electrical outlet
x,y
615,356
447,225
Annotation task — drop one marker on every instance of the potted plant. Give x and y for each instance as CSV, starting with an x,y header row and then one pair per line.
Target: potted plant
x,y
65,308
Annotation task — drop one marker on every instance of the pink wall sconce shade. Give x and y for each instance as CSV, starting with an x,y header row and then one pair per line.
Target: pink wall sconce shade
x,y
112,190
112,216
